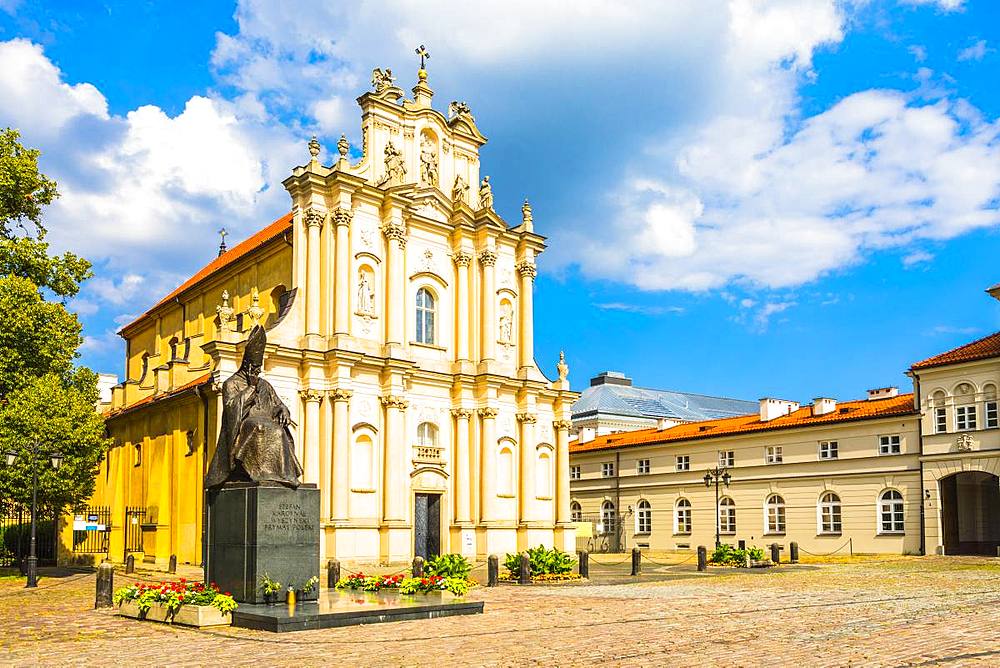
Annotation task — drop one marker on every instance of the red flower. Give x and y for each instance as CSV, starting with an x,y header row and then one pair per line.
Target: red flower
x,y
183,579
227,594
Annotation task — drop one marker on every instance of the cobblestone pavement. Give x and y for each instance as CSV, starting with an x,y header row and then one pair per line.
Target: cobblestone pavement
x,y
906,611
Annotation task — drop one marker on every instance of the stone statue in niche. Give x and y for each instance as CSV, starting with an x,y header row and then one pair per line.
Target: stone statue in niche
x,y
255,441
395,168
486,194
428,161
366,295
460,191
506,324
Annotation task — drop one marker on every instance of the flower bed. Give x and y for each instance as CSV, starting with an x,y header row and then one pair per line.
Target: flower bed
x,y
543,577
181,602
727,555
546,565
360,581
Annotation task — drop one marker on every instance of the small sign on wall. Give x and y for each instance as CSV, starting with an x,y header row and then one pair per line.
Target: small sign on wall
x,y
468,543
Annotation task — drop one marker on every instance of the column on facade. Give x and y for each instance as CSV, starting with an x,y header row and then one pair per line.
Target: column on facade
x,y
463,469
310,446
527,477
563,514
342,286
395,236
340,479
488,260
395,501
314,222
526,345
462,310
488,457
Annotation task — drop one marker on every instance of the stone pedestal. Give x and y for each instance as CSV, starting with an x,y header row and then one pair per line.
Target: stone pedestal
x,y
263,528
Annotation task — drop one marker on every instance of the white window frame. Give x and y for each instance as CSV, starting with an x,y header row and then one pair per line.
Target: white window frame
x,y
682,517
574,472
609,517
896,511
774,515
991,414
829,515
727,520
642,466
773,454
575,511
966,417
426,317
607,469
940,420
886,446
727,459
643,517
829,450
682,463
427,435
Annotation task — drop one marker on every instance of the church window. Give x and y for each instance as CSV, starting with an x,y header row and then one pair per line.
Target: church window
x,y
505,472
427,435
425,316
362,464
543,476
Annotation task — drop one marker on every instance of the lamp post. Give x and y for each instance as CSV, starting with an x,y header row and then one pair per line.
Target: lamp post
x,y
719,473
56,459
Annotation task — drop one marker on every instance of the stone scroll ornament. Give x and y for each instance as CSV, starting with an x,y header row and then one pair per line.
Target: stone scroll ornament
x,y
255,442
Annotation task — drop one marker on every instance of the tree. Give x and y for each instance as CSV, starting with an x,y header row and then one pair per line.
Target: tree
x,y
45,396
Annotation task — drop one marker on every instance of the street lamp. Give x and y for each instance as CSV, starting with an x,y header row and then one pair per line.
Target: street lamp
x,y
56,459
716,475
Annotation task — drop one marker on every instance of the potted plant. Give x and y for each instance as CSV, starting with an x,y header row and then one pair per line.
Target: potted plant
x,y
270,588
181,602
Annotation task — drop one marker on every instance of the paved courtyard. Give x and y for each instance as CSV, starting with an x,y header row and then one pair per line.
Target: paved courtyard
x,y
893,612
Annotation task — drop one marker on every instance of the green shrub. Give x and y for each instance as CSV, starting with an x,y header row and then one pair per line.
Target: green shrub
x,y
543,561
727,555
448,566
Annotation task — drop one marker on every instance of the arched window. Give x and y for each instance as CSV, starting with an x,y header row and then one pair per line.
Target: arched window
x,y
427,435
682,516
608,518
425,316
774,512
362,464
727,515
543,476
890,511
643,517
505,472
829,513
575,511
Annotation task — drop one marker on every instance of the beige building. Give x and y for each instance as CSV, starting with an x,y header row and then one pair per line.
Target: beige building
x,y
398,309
894,473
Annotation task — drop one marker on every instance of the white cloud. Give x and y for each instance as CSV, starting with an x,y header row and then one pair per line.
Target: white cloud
x,y
638,308
944,5
919,52
976,51
916,257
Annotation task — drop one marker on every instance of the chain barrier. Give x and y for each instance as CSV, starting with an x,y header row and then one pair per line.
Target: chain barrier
x,y
825,554
658,563
605,563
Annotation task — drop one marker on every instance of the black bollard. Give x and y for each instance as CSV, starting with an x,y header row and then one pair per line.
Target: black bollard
x,y
793,552
775,554
702,558
524,576
130,564
418,567
172,567
105,586
583,563
493,571
332,573
636,561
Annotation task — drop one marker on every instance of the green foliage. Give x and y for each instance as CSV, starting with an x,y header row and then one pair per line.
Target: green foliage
x,y
23,189
310,584
173,595
29,258
727,555
448,566
372,583
543,561
269,586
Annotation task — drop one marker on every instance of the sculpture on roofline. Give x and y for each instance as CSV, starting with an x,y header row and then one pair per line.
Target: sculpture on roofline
x,y
486,194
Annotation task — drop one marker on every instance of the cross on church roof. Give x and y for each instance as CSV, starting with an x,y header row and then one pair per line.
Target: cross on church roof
x,y
423,53
222,246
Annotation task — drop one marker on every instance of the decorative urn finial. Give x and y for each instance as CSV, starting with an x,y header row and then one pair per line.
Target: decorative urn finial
x,y
562,368
256,311
314,147
343,146
225,313
526,217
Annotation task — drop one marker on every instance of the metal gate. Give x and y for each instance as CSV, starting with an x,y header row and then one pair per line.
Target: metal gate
x,y
91,530
605,535
15,535
134,518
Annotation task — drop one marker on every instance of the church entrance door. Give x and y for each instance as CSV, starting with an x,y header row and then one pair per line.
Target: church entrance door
x,y
426,525
970,513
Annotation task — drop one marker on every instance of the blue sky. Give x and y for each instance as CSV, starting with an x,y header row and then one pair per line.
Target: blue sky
x,y
790,198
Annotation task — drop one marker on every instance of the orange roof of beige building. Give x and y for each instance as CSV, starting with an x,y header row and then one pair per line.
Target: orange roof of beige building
x,y
984,348
258,239
153,398
864,409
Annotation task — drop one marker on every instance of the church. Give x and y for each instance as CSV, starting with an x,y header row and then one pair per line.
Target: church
x,y
398,311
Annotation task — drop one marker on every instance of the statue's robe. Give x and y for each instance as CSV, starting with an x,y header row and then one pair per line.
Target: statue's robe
x,y
252,443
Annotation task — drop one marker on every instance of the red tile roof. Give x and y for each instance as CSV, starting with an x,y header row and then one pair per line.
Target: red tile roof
x,y
984,348
845,412
275,229
153,398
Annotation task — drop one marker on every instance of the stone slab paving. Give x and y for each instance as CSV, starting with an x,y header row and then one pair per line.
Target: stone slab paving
x,y
900,612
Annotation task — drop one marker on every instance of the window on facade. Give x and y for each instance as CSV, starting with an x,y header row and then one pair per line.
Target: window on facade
x,y
505,472
425,316
427,435
891,512
829,449
965,417
642,466
608,518
774,509
727,459
575,511
643,517
607,469
362,464
940,420
138,454
727,516
772,454
890,444
991,415
682,516
574,472
683,462
829,513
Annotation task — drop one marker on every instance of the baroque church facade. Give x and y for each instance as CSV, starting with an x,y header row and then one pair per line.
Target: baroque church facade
x,y
398,309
